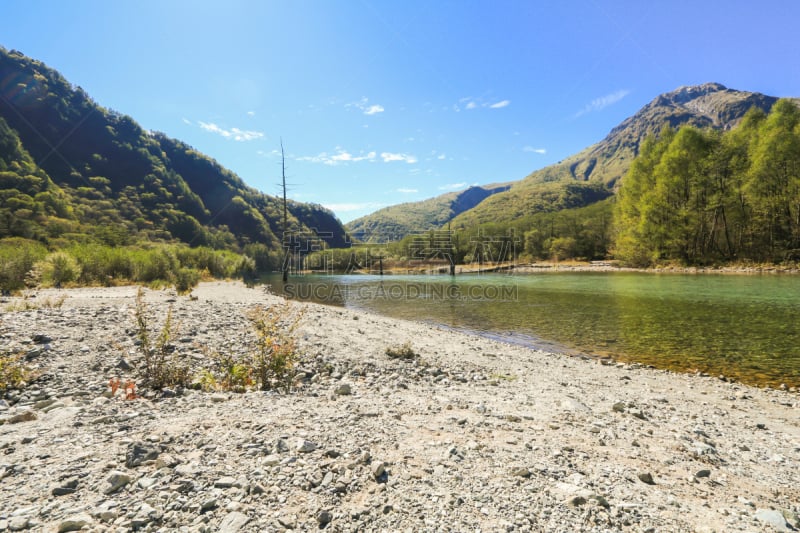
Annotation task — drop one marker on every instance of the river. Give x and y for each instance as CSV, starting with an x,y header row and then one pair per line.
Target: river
x,y
745,327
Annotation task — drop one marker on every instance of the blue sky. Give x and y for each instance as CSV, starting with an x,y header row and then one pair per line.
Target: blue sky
x,y
380,102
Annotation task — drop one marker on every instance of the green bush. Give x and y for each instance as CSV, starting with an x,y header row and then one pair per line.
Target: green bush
x,y
17,258
59,268
186,279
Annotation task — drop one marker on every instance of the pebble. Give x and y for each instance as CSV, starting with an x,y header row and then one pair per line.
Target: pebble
x,y
116,480
343,390
773,518
233,522
646,477
75,523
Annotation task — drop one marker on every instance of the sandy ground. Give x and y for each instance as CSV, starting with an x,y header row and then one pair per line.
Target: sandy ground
x,y
472,435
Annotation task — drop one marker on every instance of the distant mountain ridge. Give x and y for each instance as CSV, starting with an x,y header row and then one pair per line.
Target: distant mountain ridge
x,y
395,222
69,167
605,163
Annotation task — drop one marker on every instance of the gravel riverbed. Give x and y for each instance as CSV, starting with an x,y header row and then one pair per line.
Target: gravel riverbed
x,y
472,435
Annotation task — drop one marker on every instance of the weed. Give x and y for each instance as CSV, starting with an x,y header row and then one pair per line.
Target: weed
x,y
28,304
161,366
504,377
206,380
14,374
276,349
402,351
128,386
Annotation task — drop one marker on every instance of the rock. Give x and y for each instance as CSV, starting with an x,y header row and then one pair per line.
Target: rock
x,y
272,460
304,446
520,471
324,518
43,404
146,482
225,482
40,338
219,397
571,404
19,523
166,460
116,480
106,511
646,477
69,487
75,522
701,449
378,470
233,522
576,500
773,518
702,473
792,518
145,515
618,407
139,452
343,390
123,364
25,416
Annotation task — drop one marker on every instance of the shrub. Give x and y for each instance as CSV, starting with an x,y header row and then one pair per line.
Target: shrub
x,y
14,374
401,351
17,258
276,350
161,367
59,268
186,279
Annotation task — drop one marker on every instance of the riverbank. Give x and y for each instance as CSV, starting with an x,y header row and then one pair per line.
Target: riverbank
x,y
473,434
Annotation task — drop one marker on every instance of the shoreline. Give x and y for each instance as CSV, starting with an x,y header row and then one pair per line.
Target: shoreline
x,y
573,266
473,434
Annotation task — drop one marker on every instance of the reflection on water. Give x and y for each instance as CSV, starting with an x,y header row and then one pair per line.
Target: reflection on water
x,y
742,326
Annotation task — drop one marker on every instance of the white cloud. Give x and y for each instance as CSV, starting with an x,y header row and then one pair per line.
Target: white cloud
x,y
251,113
604,101
365,107
470,103
441,157
406,191
186,121
354,206
341,156
388,157
233,133
533,150
453,186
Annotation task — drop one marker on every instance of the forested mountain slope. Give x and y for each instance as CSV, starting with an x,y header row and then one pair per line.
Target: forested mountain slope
x,y
395,222
71,170
593,173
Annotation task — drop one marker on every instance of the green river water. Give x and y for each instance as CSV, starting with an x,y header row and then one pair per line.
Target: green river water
x,y
746,327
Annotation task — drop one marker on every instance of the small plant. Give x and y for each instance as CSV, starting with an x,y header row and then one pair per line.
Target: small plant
x,y
206,380
185,280
14,374
128,386
161,367
401,351
276,349
27,304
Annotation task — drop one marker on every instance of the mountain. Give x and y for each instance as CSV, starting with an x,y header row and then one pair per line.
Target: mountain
x,y
73,170
593,173
395,222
